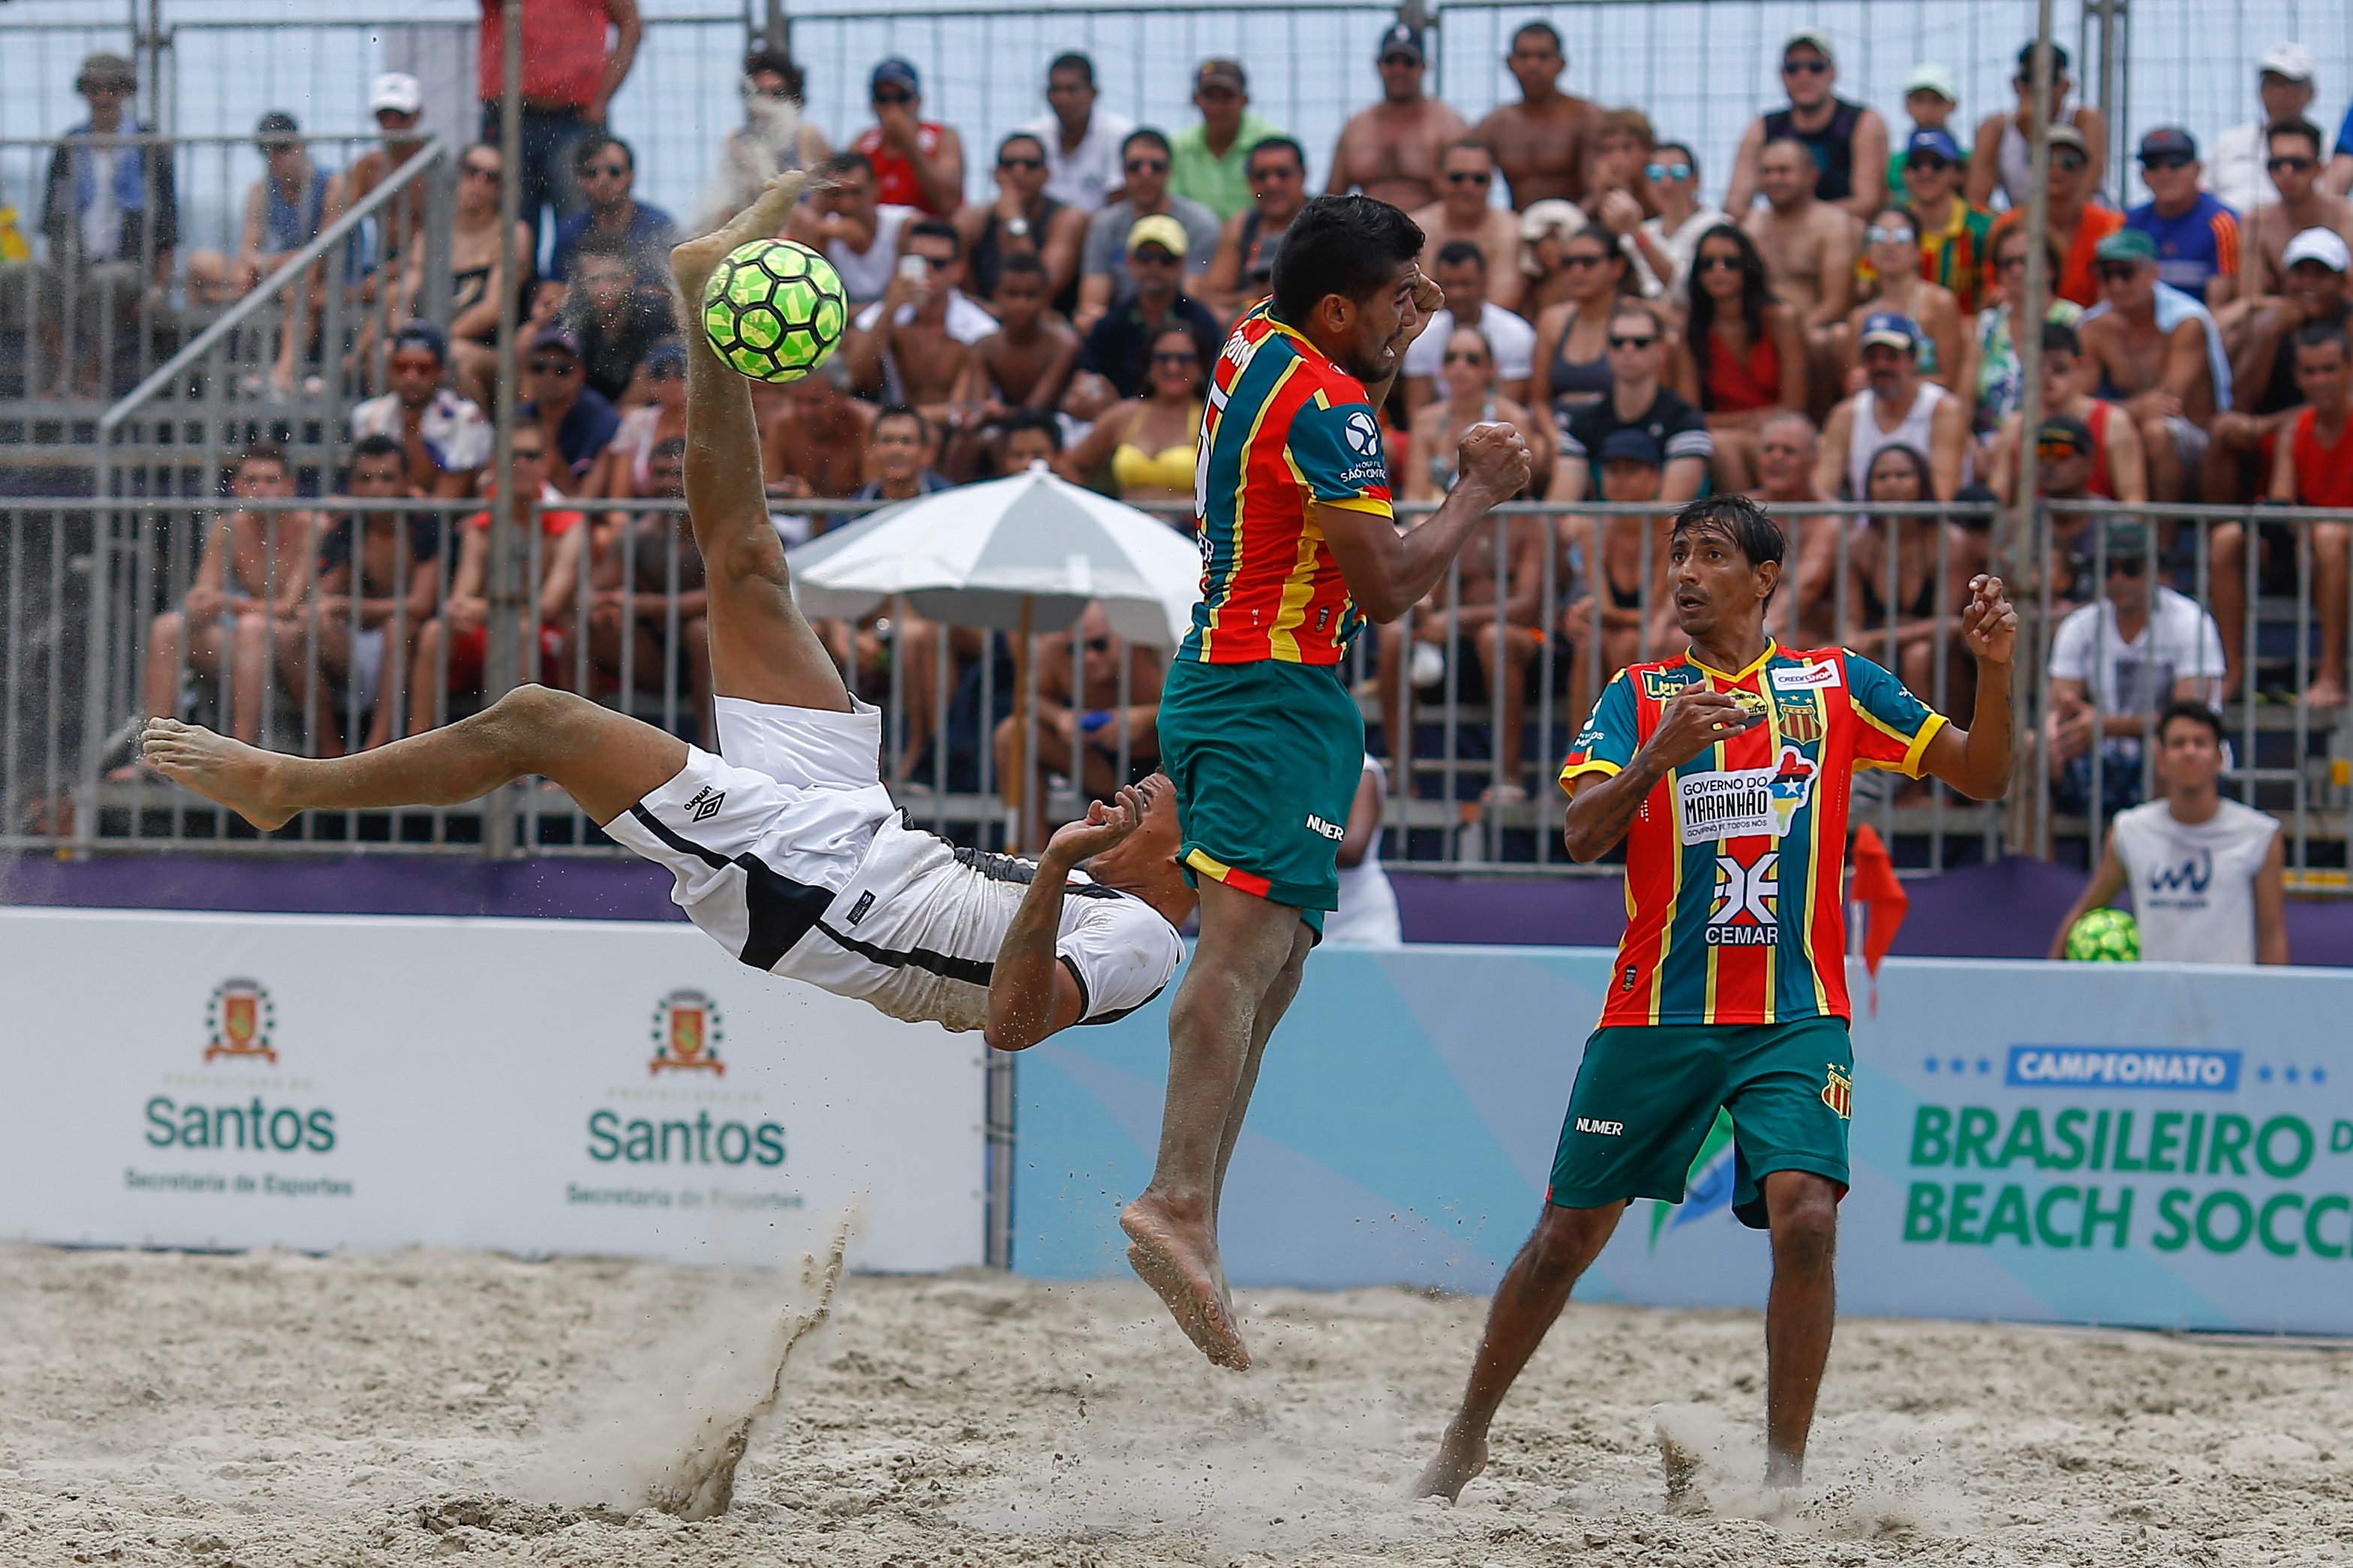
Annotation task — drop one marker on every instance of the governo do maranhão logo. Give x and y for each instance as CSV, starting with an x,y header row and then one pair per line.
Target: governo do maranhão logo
x,y
239,1020
686,1035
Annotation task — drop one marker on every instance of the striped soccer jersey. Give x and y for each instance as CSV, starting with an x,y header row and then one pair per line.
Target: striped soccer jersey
x,y
1735,863
1285,431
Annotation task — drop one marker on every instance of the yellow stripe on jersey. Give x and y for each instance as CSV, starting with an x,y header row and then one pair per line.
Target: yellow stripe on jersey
x,y
1241,485
1915,746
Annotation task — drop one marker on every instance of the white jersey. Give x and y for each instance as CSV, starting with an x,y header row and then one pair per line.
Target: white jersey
x,y
866,275
2193,883
798,863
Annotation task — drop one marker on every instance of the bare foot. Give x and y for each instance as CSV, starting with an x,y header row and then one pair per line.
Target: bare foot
x,y
693,262
1460,1457
230,771
1171,1257
2323,693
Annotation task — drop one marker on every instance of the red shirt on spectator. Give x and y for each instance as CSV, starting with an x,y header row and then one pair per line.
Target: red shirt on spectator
x,y
563,51
894,176
2324,474
552,524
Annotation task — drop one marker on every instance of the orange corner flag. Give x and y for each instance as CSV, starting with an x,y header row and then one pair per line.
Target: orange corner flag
x,y
1874,887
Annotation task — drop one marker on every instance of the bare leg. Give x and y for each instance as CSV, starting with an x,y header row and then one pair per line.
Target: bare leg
x,y
1394,681
1277,1002
1506,651
248,674
607,761
167,643
425,685
2226,593
2331,545
2162,458
1799,1314
1531,1295
1245,944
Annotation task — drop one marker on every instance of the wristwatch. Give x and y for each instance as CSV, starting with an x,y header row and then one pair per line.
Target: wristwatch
x,y
1018,226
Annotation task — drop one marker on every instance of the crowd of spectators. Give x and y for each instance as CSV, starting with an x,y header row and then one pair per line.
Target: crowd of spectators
x,y
1839,329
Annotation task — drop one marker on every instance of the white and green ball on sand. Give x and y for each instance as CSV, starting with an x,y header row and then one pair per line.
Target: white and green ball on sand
x,y
774,310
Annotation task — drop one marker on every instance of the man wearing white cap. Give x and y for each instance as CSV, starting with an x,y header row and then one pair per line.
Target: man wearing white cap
x,y
396,100
2263,370
2235,172
1931,95
1848,141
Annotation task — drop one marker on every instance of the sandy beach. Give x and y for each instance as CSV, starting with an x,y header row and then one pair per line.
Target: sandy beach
x,y
270,1409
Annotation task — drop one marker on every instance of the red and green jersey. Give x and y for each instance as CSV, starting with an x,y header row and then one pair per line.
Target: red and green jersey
x,y
1735,863
1285,432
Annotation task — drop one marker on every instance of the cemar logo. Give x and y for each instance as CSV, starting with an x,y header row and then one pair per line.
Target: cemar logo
x,y
1364,435
239,1020
686,1035
1839,1092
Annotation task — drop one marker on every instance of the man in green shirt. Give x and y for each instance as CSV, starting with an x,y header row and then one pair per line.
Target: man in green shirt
x,y
1212,157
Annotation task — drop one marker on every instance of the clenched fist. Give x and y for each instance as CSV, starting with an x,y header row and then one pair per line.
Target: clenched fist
x,y
1492,457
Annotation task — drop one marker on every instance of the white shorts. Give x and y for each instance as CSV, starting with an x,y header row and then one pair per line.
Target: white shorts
x,y
761,839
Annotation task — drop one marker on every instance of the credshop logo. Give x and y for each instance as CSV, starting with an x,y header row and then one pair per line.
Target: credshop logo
x,y
2062,1215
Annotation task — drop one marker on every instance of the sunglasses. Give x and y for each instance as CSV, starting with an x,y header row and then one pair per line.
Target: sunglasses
x,y
2007,262
2056,451
1642,342
1897,236
1927,162
1216,94
554,367
1186,360
936,263
1717,263
2168,161
2291,165
477,172
609,171
2117,271
667,370
1147,165
1467,177
1098,645
1466,358
1155,257
530,454
1666,171
894,97
1032,164
2126,565
1805,67
1388,60
2067,158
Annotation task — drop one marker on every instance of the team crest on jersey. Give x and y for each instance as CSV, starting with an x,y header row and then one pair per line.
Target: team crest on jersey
x,y
1801,719
1839,1092
1746,909
686,1035
1793,781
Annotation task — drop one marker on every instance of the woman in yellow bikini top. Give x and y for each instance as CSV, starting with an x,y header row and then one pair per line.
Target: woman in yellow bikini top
x,y
1152,441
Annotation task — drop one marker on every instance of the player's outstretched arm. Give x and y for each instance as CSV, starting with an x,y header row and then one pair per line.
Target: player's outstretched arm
x,y
1601,809
1030,993
1389,573
1976,761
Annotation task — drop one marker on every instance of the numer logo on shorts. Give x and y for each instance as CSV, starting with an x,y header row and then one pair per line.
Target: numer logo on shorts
x,y
1331,830
1606,1129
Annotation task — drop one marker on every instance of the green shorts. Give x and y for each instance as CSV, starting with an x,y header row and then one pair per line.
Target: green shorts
x,y
1266,757
1646,1097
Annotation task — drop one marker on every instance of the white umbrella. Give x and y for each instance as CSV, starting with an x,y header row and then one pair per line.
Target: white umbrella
x,y
1023,552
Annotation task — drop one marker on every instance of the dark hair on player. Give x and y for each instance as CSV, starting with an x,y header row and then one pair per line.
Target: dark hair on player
x,y
380,445
1145,133
842,163
901,411
2196,712
1742,521
2295,125
2059,338
1073,61
781,64
1463,253
1349,246
1546,28
1281,144
935,228
1033,420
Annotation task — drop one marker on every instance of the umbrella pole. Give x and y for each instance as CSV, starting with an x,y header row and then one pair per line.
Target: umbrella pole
x,y
1017,787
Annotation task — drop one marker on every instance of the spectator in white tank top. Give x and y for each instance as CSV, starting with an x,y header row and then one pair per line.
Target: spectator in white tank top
x,y
1897,407
2205,872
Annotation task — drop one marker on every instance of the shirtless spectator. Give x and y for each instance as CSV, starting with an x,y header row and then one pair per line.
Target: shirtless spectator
x,y
1119,347
1103,277
2002,159
452,650
1391,150
2077,223
2155,353
2196,236
815,445
577,421
2284,87
1022,221
913,344
840,217
364,626
1543,142
397,101
647,597
1081,138
1461,273
1787,446
2294,167
2119,470
1025,363
1082,724
2263,386
446,438
1845,143
1032,437
1468,170
2312,465
256,570
1808,247
917,162
1897,407
1244,270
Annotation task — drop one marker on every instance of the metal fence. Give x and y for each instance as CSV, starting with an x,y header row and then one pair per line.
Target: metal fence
x,y
98,608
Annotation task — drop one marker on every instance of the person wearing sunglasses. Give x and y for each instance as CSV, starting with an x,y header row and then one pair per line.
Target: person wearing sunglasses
x,y
606,171
2076,222
477,272
2195,238
577,421
1087,714
2285,88
2295,165
1242,273
2118,464
917,162
1121,345
1543,142
1932,95
1955,236
1081,138
1896,407
1897,284
2156,353
1206,156
1391,152
1665,245
1847,142
1808,247
2003,160
1544,229
446,436
1023,220
1996,378
1103,276
1741,357
1638,398
1466,173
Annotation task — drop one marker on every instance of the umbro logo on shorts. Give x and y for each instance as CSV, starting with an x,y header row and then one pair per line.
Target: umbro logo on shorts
x,y
1607,1128
706,803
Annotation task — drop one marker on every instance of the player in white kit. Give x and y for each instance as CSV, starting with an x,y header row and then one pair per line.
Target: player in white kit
x,y
2206,873
787,850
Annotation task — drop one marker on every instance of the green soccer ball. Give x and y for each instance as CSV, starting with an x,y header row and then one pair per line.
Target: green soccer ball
x,y
2105,936
774,310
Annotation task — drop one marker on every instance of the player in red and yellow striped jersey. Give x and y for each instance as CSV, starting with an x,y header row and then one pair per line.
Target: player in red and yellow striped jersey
x,y
1726,772
1257,727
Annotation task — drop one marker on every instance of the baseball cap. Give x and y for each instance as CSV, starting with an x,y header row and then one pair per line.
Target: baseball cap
x,y
2322,244
1937,141
1224,73
106,69
2066,135
1631,444
553,337
2167,141
898,73
397,91
1401,39
1160,229
2124,536
1942,81
2065,430
1550,215
1813,38
1892,328
2127,245
2293,61
277,126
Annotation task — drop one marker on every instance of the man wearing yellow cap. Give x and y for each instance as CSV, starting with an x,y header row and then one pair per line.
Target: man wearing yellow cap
x,y
1119,346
